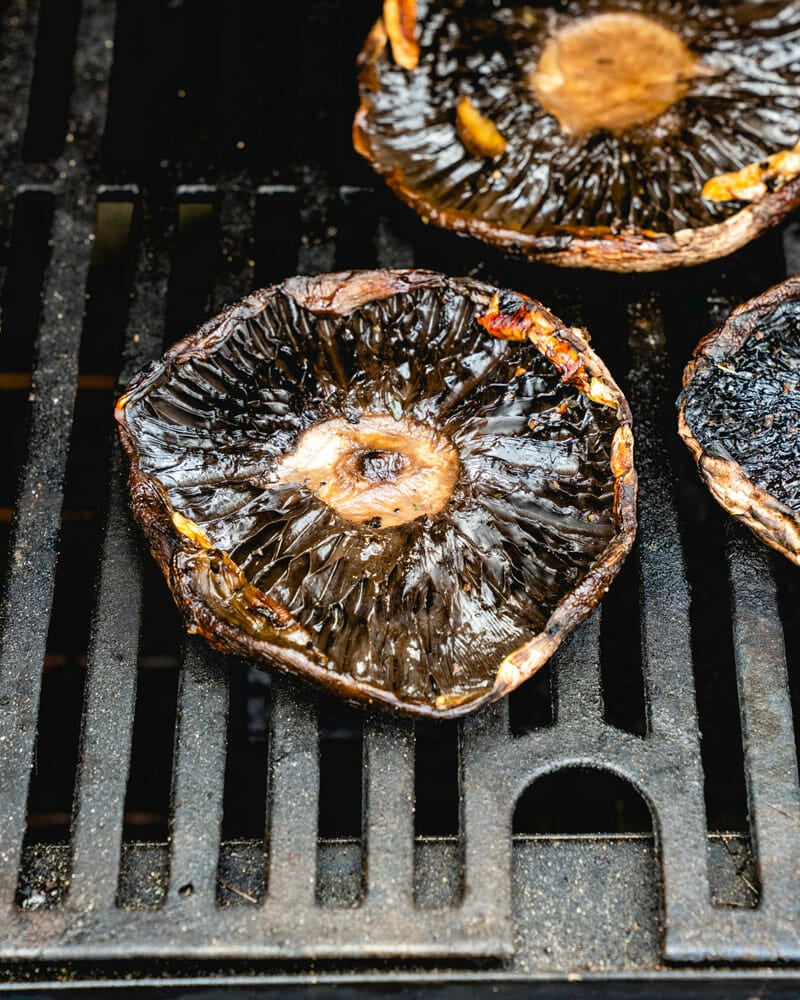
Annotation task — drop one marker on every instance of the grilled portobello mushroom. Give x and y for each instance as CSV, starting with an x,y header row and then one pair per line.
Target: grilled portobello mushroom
x,y
629,137
404,487
739,414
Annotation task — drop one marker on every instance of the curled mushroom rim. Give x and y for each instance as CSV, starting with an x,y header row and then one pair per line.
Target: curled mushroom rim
x,y
278,638
772,521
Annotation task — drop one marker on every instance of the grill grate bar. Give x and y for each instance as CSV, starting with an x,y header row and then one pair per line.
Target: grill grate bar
x,y
666,648
294,794
198,779
664,590
770,758
29,586
576,667
146,321
112,662
110,700
237,245
389,809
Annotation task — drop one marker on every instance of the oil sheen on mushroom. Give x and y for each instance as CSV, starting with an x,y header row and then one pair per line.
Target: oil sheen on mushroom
x,y
418,494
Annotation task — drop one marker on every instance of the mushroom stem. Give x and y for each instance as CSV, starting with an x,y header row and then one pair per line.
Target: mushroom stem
x,y
380,471
613,71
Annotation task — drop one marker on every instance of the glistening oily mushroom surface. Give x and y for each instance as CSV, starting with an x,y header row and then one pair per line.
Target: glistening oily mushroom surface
x,y
404,487
740,415
640,135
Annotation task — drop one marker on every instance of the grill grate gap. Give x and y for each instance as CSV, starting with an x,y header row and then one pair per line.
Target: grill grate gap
x,y
578,800
163,93
715,678
605,303
20,307
277,233
194,261
531,706
134,77
340,874
257,121
436,810
242,862
52,80
22,292
108,293
246,768
356,222
52,782
147,796
620,652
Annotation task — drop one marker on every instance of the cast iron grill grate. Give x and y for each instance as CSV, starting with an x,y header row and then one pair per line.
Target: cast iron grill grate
x,y
185,170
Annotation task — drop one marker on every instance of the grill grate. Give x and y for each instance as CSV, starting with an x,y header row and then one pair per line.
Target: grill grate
x,y
204,233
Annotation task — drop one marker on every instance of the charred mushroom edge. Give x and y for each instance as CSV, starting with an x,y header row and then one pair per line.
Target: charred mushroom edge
x,y
205,581
593,247
770,520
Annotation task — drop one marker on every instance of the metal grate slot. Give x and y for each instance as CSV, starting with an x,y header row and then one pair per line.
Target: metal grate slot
x,y
52,784
198,779
49,100
277,233
712,647
581,800
245,799
147,793
532,705
340,805
356,229
194,261
28,257
436,813
624,703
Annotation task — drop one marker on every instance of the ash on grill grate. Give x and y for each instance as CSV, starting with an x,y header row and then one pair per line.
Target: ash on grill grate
x,y
207,797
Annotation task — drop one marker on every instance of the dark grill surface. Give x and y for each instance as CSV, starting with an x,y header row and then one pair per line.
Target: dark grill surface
x,y
161,158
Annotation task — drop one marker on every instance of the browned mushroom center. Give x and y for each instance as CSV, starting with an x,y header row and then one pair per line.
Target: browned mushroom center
x,y
379,471
613,71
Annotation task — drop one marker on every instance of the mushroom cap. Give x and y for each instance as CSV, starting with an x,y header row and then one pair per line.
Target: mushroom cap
x,y
637,197
405,380
739,415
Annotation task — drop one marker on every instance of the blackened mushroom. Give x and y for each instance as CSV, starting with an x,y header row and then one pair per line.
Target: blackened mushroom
x,y
637,136
739,415
404,487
